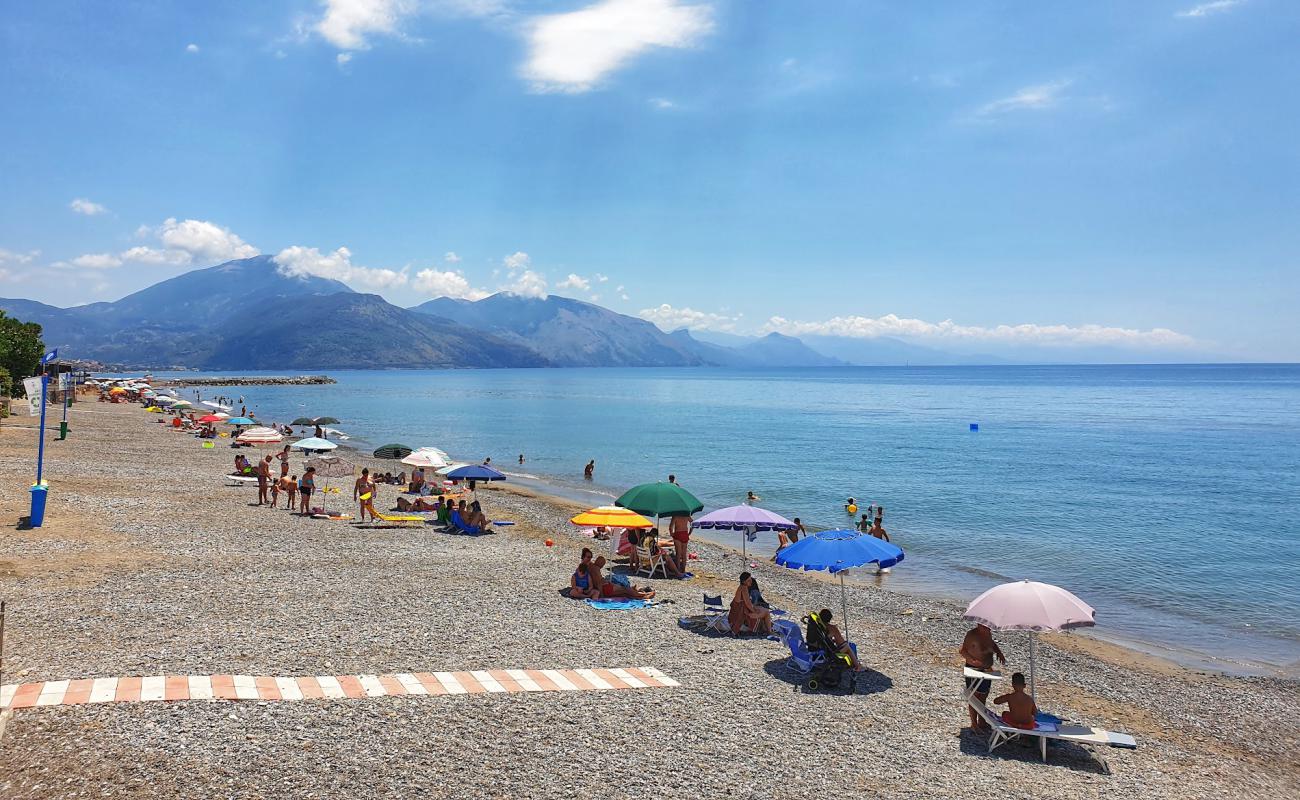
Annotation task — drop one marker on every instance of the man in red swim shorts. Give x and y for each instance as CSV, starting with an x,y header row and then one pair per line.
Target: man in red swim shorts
x,y
679,527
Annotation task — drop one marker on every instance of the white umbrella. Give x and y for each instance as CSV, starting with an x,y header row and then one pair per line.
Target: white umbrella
x,y
164,400
260,436
1030,606
451,467
427,458
312,443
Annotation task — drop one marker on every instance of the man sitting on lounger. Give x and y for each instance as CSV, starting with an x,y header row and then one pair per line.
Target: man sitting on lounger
x,y
837,639
1021,710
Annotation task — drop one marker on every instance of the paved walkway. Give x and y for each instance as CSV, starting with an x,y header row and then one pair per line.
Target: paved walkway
x,y
331,687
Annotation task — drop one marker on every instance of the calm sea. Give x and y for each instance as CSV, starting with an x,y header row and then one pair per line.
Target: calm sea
x,y
1168,497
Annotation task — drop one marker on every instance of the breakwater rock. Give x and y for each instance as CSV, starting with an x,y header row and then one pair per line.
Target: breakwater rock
x,y
259,380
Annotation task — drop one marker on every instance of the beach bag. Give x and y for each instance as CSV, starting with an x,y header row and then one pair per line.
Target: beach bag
x,y
620,579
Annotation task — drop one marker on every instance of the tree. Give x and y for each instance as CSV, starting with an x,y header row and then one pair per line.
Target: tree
x,y
21,347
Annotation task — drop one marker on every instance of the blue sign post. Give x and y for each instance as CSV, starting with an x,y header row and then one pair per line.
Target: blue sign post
x,y
39,489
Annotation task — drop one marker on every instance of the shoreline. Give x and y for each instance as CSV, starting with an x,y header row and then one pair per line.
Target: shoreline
x,y
127,580
1114,646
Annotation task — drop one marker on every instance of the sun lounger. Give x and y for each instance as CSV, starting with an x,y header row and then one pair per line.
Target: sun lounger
x,y
241,480
1091,738
402,520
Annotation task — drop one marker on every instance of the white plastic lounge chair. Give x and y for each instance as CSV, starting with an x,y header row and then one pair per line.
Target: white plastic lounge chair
x,y
1091,738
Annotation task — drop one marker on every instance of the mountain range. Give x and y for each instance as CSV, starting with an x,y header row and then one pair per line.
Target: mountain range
x,y
252,314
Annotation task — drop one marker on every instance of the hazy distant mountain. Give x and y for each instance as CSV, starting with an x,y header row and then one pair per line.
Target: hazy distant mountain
x,y
886,351
569,332
779,350
248,314
361,331
722,338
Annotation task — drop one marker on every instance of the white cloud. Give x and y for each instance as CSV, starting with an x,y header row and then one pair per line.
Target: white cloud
x,y
301,261
1031,98
191,48
450,257
204,241
576,282
670,319
8,258
573,51
83,206
437,283
528,284
601,278
343,58
350,24
96,261
517,261
1206,9
1024,334
624,296
662,103
347,23
154,256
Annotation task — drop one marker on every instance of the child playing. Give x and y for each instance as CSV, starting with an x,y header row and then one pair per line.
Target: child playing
x,y
1020,706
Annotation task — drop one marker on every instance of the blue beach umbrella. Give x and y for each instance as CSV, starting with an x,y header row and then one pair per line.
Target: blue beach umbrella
x,y
476,472
836,552
240,421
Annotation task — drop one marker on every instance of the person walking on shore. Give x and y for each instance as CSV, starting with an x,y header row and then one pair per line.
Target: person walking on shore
x,y
263,480
679,527
978,650
363,491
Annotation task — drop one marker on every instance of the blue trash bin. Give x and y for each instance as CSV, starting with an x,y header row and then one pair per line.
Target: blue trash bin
x,y
38,505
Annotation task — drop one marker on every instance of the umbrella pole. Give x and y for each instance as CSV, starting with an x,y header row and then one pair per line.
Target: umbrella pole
x,y
844,606
744,543
1032,669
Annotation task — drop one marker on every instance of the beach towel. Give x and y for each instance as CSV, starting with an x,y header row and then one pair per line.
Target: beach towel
x,y
616,605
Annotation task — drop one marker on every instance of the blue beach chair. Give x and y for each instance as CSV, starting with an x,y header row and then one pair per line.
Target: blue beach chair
x,y
817,667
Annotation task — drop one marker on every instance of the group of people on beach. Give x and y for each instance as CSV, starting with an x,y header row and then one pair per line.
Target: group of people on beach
x,y
978,650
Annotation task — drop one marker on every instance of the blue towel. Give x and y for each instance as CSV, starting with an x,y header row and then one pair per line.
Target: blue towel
x,y
616,605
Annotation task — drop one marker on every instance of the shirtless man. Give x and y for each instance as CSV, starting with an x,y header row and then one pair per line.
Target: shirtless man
x,y
978,650
679,527
589,470
263,480
608,589
363,491
1021,710
876,530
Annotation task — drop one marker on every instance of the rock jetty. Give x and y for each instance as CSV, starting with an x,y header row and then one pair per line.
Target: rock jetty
x,y
260,380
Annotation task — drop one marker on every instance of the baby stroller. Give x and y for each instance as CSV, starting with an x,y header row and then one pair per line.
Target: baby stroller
x,y
817,657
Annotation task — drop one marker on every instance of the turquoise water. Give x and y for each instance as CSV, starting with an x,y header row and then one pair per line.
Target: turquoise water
x,y
1165,496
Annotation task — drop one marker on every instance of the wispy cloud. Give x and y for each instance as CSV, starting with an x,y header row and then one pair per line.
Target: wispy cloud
x,y
301,261
1027,333
1031,98
574,51
191,48
662,103
670,319
575,282
1207,9
450,257
83,206
351,24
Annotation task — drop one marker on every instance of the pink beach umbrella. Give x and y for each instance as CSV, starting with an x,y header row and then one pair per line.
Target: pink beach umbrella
x,y
1030,606
744,518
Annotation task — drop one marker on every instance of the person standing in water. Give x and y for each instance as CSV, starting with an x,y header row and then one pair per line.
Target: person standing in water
x,y
521,459
589,470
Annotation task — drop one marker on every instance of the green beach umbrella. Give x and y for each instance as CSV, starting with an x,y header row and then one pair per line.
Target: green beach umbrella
x,y
393,451
660,500
303,421
326,421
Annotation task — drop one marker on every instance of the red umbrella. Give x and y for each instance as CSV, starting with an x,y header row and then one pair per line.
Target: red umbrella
x,y
210,418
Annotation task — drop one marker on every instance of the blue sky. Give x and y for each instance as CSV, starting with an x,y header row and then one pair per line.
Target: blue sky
x,y
967,175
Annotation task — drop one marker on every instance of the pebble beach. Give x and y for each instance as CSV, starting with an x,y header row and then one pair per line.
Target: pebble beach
x,y
149,565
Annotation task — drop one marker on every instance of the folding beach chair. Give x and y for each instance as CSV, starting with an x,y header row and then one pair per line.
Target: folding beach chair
x,y
649,564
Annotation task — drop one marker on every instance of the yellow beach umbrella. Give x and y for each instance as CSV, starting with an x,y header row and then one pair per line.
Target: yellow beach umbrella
x,y
611,517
